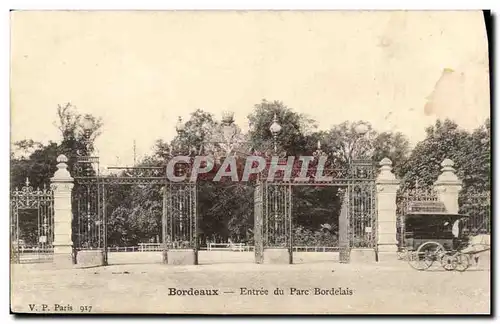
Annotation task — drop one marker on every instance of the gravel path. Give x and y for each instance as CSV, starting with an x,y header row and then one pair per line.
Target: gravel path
x,y
144,288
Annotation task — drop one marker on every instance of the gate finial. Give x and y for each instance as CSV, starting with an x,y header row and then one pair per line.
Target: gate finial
x,y
62,173
27,182
386,170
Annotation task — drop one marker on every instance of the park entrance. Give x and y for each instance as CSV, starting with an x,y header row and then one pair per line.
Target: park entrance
x,y
178,226
180,237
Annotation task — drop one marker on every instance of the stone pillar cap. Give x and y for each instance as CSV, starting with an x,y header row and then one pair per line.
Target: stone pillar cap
x,y
448,175
386,176
62,174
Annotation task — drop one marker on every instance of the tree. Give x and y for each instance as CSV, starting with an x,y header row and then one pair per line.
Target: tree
x,y
23,149
38,167
37,162
294,127
197,130
445,140
475,168
78,132
347,144
394,146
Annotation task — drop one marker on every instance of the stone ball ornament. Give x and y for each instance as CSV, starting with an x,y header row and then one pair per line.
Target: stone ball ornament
x,y
62,158
447,163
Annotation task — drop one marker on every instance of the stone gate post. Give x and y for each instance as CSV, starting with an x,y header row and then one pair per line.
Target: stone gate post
x,y
387,187
448,186
62,184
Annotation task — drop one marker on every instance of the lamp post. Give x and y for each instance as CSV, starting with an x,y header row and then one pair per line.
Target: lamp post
x,y
180,127
361,129
224,139
86,157
228,130
275,129
90,221
319,152
87,124
362,169
178,241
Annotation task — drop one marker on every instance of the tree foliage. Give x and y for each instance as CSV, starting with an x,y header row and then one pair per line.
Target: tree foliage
x,y
294,128
470,151
37,162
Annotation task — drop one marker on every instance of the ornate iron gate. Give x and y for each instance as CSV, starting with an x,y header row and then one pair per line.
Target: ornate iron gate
x,y
90,227
89,215
357,219
277,216
32,235
362,227
180,221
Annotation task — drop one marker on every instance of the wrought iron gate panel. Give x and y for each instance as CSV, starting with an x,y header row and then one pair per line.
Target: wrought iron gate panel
x,y
362,205
88,204
89,224
477,205
277,208
362,215
36,247
180,221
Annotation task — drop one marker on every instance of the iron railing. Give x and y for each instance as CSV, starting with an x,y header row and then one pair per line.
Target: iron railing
x,y
477,206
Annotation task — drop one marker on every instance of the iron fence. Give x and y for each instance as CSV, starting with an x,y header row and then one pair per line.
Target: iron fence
x,y
31,224
235,247
476,205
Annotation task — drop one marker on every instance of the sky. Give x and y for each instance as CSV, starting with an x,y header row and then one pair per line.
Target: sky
x,y
138,71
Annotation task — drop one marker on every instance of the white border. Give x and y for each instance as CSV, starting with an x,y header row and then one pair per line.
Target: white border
x,y
254,5
182,5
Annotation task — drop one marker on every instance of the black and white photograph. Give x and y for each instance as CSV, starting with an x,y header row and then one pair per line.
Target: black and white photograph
x,y
250,162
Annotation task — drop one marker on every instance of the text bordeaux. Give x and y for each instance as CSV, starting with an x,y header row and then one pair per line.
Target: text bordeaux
x,y
192,292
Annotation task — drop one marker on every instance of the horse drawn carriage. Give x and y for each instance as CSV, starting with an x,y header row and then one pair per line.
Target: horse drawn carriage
x,y
431,235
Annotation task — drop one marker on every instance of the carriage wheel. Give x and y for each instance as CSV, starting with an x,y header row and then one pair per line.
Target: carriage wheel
x,y
426,254
403,255
463,262
419,260
449,261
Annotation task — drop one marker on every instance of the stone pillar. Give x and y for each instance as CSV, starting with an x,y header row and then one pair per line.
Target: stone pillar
x,y
62,184
448,186
387,187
